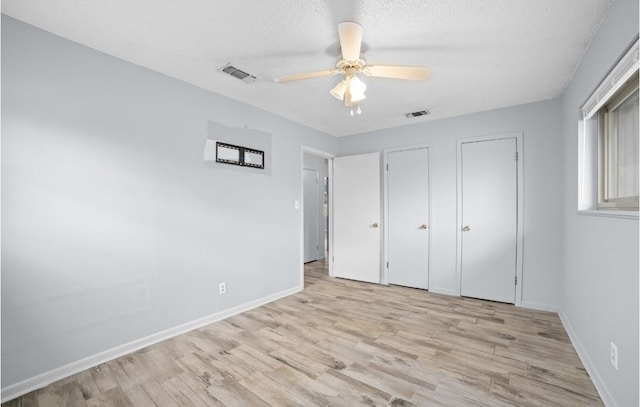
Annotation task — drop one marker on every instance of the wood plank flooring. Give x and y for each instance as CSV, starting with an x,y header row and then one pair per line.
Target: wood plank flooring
x,y
346,343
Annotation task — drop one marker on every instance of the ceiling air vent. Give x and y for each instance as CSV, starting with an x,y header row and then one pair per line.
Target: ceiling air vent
x,y
238,73
416,114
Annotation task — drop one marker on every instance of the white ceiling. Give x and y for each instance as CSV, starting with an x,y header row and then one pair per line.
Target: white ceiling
x,y
484,54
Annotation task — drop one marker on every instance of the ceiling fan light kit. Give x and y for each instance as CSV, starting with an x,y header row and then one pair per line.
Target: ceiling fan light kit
x,y
339,90
351,89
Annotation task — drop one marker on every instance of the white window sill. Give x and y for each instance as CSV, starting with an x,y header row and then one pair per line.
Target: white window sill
x,y
610,214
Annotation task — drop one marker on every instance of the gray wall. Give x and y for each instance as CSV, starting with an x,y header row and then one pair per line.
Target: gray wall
x,y
600,279
113,227
540,123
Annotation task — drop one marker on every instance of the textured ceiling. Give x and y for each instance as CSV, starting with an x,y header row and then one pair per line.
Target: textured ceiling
x,y
484,54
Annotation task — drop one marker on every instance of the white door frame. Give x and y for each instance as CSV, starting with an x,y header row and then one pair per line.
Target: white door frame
x,y
520,221
385,209
329,157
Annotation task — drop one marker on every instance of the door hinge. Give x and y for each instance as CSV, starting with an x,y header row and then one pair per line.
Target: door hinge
x,y
387,167
387,264
516,280
516,156
333,258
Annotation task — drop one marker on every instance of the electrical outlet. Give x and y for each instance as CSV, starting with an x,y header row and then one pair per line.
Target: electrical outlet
x,y
222,288
614,355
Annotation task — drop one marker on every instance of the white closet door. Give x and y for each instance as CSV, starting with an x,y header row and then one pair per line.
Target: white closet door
x,y
356,217
489,219
408,217
311,202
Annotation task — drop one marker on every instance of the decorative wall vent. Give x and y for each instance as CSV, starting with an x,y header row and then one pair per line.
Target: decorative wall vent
x,y
416,114
238,73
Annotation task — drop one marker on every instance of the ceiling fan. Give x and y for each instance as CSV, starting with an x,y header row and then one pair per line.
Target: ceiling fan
x,y
351,89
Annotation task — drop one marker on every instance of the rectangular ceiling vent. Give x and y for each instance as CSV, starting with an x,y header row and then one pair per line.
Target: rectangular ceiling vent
x,y
238,73
416,114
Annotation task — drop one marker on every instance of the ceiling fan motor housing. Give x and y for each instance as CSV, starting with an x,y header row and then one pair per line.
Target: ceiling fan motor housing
x,y
358,64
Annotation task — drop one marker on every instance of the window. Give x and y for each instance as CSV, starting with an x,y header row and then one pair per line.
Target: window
x,y
608,144
618,149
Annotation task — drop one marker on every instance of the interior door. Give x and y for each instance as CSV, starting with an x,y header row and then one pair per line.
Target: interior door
x,y
408,218
311,208
489,219
356,217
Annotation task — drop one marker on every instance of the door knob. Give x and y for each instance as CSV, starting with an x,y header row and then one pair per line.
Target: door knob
x,y
466,229
375,225
423,226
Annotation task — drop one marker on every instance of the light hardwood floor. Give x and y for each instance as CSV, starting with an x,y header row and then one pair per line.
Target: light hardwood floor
x,y
345,343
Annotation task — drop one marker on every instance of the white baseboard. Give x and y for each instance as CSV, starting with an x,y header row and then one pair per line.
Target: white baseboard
x,y
539,307
602,389
444,291
44,379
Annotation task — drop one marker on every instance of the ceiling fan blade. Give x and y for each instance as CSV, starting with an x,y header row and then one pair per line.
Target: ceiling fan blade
x,y
350,40
413,73
307,75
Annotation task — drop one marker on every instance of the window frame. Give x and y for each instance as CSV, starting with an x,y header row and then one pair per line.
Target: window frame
x,y
624,93
589,140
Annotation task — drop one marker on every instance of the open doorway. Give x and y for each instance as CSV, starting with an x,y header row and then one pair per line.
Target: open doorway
x,y
316,190
314,214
